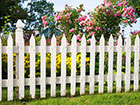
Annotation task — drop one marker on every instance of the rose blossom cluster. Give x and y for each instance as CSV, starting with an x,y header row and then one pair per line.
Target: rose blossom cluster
x,y
44,18
108,16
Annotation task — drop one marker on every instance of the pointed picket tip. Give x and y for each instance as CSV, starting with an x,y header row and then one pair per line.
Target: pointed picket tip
x,y
128,40
120,38
10,40
137,40
111,38
83,37
63,40
10,37
43,40
19,24
93,41
102,37
83,40
137,37
74,39
102,40
53,38
119,41
32,39
43,37
93,37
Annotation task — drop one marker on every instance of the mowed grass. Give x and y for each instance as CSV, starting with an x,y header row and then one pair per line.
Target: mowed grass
x,y
129,98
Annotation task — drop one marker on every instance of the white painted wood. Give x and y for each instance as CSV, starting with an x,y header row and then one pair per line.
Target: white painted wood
x,y
92,65
110,65
53,66
10,68
21,68
101,65
63,66
32,67
20,58
128,64
119,65
136,64
73,79
58,80
69,49
0,70
83,65
73,66
43,67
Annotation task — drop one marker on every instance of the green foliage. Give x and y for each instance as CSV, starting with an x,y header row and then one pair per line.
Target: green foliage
x,y
129,98
104,15
37,9
13,9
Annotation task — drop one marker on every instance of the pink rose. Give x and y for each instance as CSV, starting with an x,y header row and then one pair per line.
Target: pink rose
x,y
108,4
107,43
70,22
124,4
104,1
71,30
89,41
120,4
78,37
77,44
125,21
67,15
43,17
114,6
78,10
124,15
45,23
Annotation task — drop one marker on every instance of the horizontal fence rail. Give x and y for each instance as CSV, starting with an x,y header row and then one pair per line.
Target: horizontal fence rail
x,y
68,49
19,82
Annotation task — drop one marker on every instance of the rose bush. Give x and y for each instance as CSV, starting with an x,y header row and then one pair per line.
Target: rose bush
x,y
105,19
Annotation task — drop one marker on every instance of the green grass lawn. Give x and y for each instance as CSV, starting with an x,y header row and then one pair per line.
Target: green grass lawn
x,y
130,98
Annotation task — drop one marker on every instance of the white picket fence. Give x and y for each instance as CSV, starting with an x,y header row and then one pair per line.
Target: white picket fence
x,y
21,81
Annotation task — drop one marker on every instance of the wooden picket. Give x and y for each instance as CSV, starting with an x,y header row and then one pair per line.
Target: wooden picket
x,y
92,65
110,65
101,65
21,69
10,68
73,66
128,64
83,65
119,65
32,67
43,67
53,66
136,65
63,66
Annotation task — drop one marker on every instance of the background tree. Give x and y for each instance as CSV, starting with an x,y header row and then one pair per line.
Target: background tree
x,y
12,10
37,9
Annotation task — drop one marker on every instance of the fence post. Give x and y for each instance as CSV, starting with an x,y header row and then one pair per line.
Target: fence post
x,y
18,42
